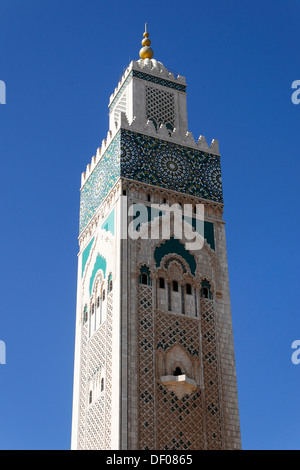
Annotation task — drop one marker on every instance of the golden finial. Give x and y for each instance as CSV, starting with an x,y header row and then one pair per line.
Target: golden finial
x,y
146,52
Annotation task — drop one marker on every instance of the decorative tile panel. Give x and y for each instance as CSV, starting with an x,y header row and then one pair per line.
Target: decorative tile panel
x,y
146,369
100,182
159,81
211,376
171,166
152,161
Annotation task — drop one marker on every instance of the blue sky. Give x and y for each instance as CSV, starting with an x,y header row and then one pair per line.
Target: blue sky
x,y
60,61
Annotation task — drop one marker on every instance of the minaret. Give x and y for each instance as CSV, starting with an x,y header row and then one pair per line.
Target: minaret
x,y
154,355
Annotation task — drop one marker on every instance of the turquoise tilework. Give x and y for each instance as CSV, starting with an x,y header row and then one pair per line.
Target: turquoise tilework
x,y
100,182
153,161
171,166
109,223
159,81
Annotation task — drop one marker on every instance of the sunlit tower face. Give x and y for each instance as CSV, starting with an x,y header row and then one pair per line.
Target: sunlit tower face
x,y
154,356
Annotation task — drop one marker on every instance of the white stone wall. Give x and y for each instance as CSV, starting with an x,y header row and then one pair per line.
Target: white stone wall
x,y
96,424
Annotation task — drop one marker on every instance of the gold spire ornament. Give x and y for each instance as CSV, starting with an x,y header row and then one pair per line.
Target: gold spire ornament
x,y
146,52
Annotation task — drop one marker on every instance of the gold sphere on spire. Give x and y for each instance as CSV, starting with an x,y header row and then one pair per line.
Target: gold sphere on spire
x,y
146,52
146,42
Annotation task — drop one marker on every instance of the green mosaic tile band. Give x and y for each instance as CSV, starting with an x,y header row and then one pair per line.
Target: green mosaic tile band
x,y
100,182
171,166
152,161
159,81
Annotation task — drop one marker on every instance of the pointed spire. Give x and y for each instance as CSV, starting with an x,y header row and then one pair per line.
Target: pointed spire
x,y
146,52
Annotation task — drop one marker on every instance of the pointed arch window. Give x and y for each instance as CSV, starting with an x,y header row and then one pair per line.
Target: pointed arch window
x,y
206,290
145,277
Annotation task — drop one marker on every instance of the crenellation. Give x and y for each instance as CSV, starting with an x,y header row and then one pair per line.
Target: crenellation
x,y
148,128
214,146
202,143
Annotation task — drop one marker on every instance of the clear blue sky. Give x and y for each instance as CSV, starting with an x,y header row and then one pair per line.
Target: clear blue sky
x,y
61,60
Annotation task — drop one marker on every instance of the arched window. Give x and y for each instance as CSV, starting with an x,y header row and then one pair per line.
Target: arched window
x,y
103,294
90,397
98,301
175,286
205,290
161,283
93,308
189,289
102,384
145,277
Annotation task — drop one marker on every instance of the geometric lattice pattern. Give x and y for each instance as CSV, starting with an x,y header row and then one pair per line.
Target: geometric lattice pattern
x,y
95,417
210,369
179,422
167,421
171,166
172,329
146,369
160,107
176,430
83,388
148,78
108,411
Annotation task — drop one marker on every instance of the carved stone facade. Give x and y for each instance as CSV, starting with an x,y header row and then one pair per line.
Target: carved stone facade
x,y
154,356
185,363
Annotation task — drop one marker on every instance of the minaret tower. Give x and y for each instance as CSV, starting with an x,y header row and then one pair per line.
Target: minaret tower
x,y
154,356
